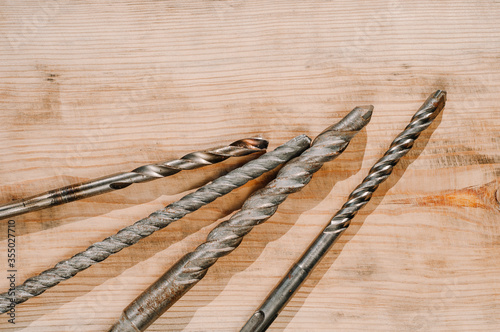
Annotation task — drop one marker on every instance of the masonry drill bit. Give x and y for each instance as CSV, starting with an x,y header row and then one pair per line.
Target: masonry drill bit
x,y
278,298
132,234
144,173
223,239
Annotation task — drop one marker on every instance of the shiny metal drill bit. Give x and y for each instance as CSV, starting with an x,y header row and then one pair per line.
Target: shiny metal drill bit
x,y
223,239
132,234
278,298
144,173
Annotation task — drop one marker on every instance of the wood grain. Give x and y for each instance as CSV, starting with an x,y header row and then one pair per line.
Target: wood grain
x,y
89,88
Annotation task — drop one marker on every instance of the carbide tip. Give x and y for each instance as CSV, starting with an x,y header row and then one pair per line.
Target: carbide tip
x,y
440,99
359,117
431,108
440,94
364,111
351,124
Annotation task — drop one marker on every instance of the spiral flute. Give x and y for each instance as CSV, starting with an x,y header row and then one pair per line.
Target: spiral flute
x,y
144,173
278,298
132,234
228,235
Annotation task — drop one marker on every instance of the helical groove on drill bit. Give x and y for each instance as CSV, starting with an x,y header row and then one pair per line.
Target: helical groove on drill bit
x,y
280,295
223,239
132,234
144,173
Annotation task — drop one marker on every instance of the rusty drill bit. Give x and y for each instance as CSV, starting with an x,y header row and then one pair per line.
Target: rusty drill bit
x,y
228,235
278,298
144,173
132,234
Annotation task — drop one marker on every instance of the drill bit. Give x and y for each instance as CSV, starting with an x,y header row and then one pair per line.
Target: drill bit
x,y
278,298
132,234
144,173
228,235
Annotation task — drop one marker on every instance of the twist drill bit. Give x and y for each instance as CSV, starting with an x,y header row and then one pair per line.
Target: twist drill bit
x,y
132,234
228,235
278,298
141,174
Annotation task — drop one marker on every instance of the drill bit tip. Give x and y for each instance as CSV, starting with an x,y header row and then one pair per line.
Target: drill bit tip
x,y
254,143
439,93
365,111
436,100
429,110
440,99
351,124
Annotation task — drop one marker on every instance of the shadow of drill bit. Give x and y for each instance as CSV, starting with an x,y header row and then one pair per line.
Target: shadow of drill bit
x,y
255,242
317,274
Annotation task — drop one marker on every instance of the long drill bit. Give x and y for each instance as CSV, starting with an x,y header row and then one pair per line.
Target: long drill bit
x,y
132,234
144,173
223,239
278,298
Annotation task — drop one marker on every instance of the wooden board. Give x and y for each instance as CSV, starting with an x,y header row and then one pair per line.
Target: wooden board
x,y
89,88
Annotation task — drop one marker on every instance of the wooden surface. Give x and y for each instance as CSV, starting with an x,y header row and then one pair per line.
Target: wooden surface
x,y
89,88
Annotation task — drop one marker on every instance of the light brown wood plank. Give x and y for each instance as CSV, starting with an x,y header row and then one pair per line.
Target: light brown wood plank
x,y
90,88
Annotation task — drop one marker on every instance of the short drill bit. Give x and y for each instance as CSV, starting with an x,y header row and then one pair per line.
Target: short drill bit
x,y
132,234
223,239
144,173
278,298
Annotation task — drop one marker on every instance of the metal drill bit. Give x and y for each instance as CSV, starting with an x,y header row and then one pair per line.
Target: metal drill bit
x,y
132,234
144,173
278,298
228,235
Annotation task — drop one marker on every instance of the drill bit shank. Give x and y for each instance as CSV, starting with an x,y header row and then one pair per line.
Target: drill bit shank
x,y
278,298
132,234
141,174
227,236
